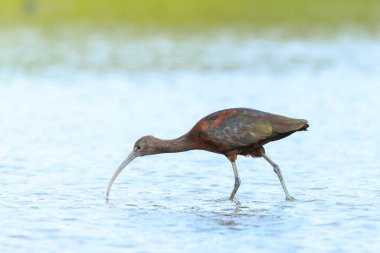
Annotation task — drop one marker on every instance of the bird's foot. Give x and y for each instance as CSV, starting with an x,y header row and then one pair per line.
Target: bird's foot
x,y
290,198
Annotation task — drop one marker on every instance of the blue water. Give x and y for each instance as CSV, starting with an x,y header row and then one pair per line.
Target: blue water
x,y
71,108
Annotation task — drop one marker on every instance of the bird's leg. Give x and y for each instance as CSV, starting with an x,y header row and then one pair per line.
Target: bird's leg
x,y
237,181
277,170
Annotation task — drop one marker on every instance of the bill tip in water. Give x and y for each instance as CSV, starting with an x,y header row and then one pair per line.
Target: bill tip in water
x,y
107,199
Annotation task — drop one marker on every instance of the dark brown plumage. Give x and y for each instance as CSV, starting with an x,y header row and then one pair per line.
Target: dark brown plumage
x,y
231,132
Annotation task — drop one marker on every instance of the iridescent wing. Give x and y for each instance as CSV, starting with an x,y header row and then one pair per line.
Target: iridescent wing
x,y
243,127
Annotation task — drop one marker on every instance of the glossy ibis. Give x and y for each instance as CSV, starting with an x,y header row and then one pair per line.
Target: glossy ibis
x,y
231,132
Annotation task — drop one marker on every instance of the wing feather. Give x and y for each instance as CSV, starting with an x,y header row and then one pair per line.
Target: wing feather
x,y
248,127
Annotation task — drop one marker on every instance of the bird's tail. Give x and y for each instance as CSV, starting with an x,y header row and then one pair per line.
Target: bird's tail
x,y
305,126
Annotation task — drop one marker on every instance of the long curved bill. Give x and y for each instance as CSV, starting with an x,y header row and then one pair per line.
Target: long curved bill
x,y
119,170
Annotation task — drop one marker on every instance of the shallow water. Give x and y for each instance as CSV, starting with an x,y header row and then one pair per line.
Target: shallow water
x,y
70,115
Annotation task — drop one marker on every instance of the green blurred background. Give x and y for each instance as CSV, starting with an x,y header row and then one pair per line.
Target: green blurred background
x,y
295,15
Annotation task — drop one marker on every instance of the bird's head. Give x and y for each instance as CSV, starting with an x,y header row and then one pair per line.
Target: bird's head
x,y
147,145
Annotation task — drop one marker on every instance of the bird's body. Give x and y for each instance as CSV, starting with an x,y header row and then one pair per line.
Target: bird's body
x,y
242,131
231,132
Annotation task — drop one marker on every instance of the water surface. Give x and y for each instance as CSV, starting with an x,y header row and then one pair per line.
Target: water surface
x,y
71,114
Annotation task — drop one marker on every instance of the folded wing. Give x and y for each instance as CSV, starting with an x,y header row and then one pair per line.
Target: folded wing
x,y
248,127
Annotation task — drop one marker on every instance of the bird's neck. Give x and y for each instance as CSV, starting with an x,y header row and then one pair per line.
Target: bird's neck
x,y
179,144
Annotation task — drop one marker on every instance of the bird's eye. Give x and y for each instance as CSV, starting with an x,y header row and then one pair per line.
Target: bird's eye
x,y
138,147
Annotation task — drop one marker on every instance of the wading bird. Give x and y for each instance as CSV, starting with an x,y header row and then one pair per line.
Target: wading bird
x,y
230,132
